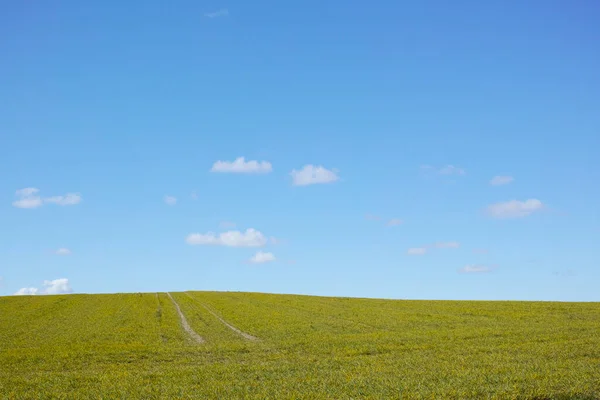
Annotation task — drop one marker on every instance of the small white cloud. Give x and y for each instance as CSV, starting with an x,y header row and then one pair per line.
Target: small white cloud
x,y
170,200
227,224
514,208
56,286
501,180
241,166
310,175
394,222
416,251
262,257
62,252
28,198
69,199
194,195
447,245
250,238
26,291
474,269
223,12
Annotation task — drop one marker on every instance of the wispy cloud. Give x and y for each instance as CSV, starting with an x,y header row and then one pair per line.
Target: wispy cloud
x,y
226,224
389,222
475,269
241,166
56,286
194,195
394,222
311,174
262,257
446,245
452,170
438,245
501,180
69,199
275,241
416,251
170,200
249,238
566,273
223,12
481,251
30,198
515,208
445,170
62,252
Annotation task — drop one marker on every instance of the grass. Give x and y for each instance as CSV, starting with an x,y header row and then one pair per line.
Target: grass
x,y
127,346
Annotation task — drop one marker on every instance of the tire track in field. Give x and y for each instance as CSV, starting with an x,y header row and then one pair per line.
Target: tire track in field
x,y
243,334
186,326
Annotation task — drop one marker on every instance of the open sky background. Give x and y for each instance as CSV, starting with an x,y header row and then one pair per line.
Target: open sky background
x,y
442,150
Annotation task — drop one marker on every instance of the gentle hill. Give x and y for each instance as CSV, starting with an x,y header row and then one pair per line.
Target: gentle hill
x,y
250,345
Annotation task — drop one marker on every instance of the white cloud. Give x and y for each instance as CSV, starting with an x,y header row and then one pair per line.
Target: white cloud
x,y
241,166
26,291
447,245
262,257
474,268
62,252
67,200
501,180
28,198
416,251
170,200
227,224
223,12
56,286
28,202
250,238
394,222
514,208
194,195
310,175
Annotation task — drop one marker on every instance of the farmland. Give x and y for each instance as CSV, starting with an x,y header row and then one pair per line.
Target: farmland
x,y
282,346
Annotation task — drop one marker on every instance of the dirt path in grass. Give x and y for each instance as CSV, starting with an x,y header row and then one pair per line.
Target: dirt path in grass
x,y
185,324
245,335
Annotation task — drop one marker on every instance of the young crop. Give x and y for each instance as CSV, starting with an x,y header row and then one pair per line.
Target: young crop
x,y
133,346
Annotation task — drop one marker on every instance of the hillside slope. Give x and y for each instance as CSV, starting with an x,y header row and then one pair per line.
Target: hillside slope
x,y
281,346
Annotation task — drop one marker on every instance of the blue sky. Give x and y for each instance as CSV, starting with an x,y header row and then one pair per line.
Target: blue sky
x,y
423,150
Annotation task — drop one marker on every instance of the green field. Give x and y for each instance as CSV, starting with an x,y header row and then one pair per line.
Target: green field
x,y
134,346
